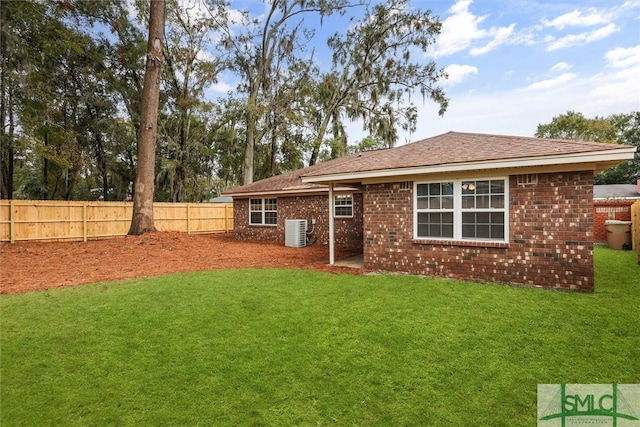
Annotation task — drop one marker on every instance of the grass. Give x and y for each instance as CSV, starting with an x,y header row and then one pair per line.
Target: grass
x,y
282,347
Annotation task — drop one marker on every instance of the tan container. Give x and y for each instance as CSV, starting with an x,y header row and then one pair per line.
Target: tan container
x,y
618,234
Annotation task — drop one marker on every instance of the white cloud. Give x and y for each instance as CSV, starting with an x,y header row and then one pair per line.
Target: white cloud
x,y
203,55
620,87
606,84
621,84
462,28
582,38
221,88
576,18
195,10
235,16
458,73
459,30
560,66
550,83
623,57
519,112
500,36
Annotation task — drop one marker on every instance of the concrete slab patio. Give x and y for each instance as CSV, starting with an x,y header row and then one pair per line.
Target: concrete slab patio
x,y
353,262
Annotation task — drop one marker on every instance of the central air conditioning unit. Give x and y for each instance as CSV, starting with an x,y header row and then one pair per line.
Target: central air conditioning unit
x,y
295,233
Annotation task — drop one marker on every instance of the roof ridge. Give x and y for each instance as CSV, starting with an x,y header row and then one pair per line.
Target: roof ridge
x,y
535,138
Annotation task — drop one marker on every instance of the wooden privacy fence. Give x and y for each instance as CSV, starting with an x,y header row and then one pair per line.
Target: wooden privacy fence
x,y
635,228
22,220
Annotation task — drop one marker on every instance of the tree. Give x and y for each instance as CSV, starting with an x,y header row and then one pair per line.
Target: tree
x,y
142,219
125,49
10,41
628,133
617,128
256,48
575,126
188,73
60,83
373,71
61,134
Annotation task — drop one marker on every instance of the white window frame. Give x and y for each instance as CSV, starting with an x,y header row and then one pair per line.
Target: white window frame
x,y
458,210
336,205
263,211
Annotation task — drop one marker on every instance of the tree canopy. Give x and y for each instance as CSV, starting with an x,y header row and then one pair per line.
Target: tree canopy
x,y
71,84
617,129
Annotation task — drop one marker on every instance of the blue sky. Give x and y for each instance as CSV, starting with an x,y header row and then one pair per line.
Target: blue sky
x,y
515,64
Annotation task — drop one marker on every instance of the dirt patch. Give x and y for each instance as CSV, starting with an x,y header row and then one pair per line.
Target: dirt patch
x,y
34,266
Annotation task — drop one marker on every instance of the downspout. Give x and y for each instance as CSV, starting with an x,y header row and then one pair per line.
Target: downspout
x,y
331,227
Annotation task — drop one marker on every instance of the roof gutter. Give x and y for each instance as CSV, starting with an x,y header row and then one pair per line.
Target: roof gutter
x,y
616,155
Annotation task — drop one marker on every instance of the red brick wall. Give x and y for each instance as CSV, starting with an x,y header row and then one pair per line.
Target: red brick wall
x,y
609,209
550,244
348,231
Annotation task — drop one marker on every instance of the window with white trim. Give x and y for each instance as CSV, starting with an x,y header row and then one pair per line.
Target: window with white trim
x,y
462,210
343,205
263,211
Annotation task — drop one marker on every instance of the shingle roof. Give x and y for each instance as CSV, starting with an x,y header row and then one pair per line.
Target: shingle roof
x,y
612,191
289,181
457,147
451,148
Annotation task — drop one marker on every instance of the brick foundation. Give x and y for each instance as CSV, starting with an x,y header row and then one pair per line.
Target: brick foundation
x,y
550,244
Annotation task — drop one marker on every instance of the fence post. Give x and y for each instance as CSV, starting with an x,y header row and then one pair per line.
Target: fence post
x,y
84,221
635,228
227,217
188,218
12,226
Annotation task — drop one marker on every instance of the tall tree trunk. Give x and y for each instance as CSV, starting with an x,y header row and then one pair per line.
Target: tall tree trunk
x,y
105,180
142,220
6,140
182,158
45,170
249,149
274,147
317,143
247,167
11,153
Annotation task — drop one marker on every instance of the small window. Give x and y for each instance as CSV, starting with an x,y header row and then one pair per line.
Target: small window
x,y
528,179
263,211
343,206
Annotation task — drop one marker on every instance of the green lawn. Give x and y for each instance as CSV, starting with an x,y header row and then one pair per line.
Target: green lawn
x,y
285,347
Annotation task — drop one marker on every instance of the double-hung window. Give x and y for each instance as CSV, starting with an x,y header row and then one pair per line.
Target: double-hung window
x,y
263,211
462,210
343,205
434,208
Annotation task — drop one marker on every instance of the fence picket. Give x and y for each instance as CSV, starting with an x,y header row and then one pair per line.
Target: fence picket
x,y
635,228
22,220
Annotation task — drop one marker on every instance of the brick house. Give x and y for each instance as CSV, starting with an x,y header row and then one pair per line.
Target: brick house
x,y
460,205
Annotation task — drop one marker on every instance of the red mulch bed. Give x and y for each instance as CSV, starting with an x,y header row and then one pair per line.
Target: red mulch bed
x,y
35,266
